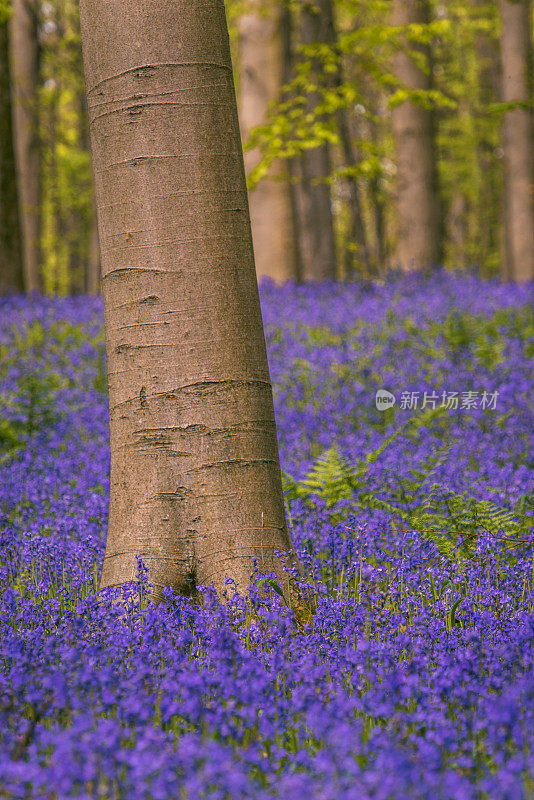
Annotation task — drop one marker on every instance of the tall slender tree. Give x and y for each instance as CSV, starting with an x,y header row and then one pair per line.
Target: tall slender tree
x,y
418,218
195,476
357,235
318,243
491,239
288,29
25,87
517,135
261,74
11,274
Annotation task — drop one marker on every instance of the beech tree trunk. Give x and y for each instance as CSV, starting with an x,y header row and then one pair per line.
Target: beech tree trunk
x,y
375,192
92,270
357,235
318,244
195,476
517,140
418,219
25,84
92,262
11,275
261,75
287,36
489,91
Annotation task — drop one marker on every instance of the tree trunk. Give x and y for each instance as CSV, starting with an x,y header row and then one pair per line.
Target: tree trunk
x,y
379,220
357,235
11,274
517,133
418,219
25,85
490,194
287,27
92,248
376,193
318,246
195,476
457,228
92,271
357,228
261,73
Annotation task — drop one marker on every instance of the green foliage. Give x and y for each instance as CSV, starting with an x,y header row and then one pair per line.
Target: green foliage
x,y
462,332
5,11
350,78
38,394
34,405
482,336
469,139
332,478
67,182
459,47
10,440
452,521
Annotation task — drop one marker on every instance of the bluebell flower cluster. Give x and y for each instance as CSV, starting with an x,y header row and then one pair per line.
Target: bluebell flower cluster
x,y
406,672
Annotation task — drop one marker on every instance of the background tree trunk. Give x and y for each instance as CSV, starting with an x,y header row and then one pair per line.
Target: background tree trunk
x,y
287,29
318,243
372,130
418,218
261,73
491,248
195,476
25,85
517,140
11,274
357,236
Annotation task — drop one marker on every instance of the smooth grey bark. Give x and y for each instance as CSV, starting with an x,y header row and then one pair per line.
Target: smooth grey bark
x,y
92,271
195,477
418,241
261,74
24,56
11,273
517,140
92,262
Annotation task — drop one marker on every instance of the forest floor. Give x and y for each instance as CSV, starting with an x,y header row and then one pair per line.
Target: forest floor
x,y
411,673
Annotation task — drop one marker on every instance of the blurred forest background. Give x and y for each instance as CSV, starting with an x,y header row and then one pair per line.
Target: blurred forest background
x,y
378,134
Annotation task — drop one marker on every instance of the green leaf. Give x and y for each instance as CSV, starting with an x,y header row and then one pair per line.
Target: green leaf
x,y
274,585
452,614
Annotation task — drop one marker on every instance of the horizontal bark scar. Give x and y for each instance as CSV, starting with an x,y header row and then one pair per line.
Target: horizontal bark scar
x,y
148,70
237,462
170,497
180,493
125,272
158,439
200,388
